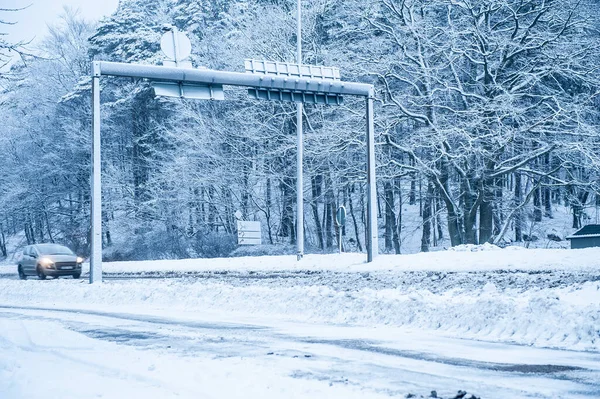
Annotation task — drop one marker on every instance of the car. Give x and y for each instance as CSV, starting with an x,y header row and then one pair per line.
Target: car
x,y
53,260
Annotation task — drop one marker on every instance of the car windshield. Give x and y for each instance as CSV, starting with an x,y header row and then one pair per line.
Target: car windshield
x,y
53,249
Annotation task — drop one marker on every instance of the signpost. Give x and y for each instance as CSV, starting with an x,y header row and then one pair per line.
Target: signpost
x,y
340,221
340,216
176,46
249,233
174,79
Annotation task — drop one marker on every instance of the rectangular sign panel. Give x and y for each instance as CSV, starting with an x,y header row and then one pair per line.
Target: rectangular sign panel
x,y
186,90
249,233
288,69
299,97
249,241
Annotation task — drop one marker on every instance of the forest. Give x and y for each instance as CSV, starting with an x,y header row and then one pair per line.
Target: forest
x,y
486,120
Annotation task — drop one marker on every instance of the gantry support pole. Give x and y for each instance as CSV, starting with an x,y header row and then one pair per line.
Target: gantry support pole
x,y
96,211
372,242
300,155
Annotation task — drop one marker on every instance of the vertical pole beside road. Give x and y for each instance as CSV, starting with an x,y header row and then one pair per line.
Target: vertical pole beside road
x,y
300,145
372,244
96,255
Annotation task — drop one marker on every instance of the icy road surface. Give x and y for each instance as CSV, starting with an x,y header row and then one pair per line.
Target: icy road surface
x,y
98,353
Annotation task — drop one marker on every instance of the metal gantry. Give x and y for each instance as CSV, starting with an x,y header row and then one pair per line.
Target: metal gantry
x,y
296,88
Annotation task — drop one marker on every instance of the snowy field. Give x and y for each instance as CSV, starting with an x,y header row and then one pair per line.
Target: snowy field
x,y
492,322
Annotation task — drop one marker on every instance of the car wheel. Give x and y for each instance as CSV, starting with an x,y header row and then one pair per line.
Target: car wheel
x,y
40,273
22,274
76,275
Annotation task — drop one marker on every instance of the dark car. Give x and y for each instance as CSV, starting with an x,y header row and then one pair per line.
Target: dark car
x,y
53,260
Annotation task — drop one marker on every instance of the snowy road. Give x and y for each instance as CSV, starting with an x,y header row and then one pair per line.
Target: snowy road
x,y
163,354
497,324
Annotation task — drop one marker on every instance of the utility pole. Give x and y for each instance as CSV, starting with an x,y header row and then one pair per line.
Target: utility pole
x,y
300,145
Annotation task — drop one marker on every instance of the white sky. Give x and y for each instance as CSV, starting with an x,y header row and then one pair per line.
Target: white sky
x,y
32,22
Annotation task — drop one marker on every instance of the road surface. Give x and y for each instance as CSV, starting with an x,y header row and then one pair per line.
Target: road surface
x,y
104,352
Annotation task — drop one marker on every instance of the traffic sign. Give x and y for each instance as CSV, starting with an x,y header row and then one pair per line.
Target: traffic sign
x,y
292,70
187,90
340,216
323,77
298,97
176,45
249,233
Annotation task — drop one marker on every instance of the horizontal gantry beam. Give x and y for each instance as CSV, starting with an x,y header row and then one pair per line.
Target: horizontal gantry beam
x,y
252,80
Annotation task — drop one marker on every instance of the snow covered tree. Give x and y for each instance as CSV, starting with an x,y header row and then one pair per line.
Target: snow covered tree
x,y
7,49
476,91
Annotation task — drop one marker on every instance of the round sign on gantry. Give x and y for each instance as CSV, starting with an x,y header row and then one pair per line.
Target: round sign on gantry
x,y
340,216
176,45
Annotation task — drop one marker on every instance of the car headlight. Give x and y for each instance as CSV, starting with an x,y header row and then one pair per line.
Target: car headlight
x,y
79,259
46,262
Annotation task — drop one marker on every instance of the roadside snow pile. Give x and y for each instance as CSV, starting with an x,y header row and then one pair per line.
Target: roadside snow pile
x,y
476,248
556,317
548,305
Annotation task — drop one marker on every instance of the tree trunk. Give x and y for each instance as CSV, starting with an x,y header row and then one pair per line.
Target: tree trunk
x,y
398,221
287,218
212,209
497,207
426,237
268,209
2,241
329,213
518,213
106,229
578,204
46,221
329,225
354,221
537,205
315,184
547,190
412,195
486,209
469,211
454,229
390,217
438,217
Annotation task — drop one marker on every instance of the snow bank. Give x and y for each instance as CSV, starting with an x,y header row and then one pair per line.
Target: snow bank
x,y
462,258
564,317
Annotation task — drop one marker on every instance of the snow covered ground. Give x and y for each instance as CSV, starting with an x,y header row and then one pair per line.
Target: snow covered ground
x,y
494,322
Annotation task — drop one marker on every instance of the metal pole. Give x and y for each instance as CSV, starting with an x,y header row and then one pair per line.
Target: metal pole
x,y
96,212
372,244
299,181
